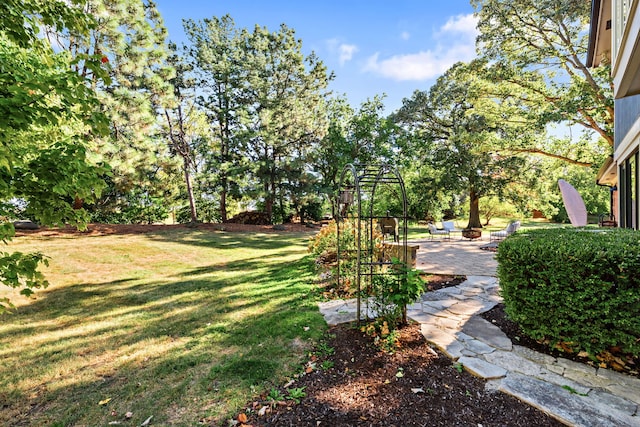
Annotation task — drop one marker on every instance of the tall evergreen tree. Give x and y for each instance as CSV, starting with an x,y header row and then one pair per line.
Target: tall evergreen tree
x,y
217,57
130,39
285,95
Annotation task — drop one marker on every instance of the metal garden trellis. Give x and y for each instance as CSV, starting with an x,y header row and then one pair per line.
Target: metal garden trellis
x,y
357,202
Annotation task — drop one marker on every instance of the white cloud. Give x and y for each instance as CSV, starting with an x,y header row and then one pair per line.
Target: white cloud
x,y
346,52
455,42
405,35
462,24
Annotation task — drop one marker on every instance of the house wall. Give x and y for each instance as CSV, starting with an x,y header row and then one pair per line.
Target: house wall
x,y
626,119
625,24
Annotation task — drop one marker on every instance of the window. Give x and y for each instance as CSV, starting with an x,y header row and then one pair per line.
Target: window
x,y
629,192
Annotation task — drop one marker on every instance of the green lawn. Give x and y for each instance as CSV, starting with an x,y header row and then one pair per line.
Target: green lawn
x,y
184,326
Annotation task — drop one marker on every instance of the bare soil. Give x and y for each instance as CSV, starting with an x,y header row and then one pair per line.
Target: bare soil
x,y
359,385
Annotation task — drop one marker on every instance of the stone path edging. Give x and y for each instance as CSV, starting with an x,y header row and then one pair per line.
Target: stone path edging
x,y
573,393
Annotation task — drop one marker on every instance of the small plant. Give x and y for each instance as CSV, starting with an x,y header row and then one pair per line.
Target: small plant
x,y
384,337
325,349
458,367
326,365
275,396
296,394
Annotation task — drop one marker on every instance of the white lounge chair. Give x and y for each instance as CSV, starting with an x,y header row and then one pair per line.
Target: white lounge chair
x,y
433,231
503,234
450,226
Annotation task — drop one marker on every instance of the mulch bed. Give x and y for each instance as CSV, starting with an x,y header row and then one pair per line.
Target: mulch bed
x,y
611,359
414,386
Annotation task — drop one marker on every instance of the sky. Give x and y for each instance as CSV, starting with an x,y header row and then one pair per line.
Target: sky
x,y
374,47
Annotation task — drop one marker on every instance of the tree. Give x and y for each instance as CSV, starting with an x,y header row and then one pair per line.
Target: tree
x,y
48,115
129,39
334,150
217,56
359,136
540,49
464,136
285,94
186,124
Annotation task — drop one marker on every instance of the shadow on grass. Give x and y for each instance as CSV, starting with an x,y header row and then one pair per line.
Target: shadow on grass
x,y
154,345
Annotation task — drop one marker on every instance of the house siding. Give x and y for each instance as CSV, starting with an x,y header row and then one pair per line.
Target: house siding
x,y
627,113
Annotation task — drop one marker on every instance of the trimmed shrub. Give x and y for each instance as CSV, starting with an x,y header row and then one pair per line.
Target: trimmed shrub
x,y
575,286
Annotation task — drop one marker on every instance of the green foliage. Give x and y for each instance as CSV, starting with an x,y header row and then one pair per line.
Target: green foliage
x,y
296,394
48,115
275,396
394,289
208,211
385,336
18,270
540,51
579,287
467,133
491,207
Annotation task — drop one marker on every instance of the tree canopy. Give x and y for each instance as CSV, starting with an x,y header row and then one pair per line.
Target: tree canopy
x,y
49,115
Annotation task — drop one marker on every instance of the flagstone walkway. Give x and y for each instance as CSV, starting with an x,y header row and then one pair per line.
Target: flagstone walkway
x,y
573,393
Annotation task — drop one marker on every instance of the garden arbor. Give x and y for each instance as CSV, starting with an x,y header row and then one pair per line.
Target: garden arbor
x,y
371,195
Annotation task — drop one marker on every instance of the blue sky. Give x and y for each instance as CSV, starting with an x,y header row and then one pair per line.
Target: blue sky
x,y
373,47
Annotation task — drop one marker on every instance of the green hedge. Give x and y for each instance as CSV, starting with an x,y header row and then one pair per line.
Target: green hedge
x,y
576,286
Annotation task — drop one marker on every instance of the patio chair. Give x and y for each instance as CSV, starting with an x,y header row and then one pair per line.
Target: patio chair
x,y
433,231
503,234
389,225
451,227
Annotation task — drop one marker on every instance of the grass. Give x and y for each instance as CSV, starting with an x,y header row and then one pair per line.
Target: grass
x,y
184,326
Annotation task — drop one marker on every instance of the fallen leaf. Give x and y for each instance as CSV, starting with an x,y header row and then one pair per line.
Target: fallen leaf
x,y
242,418
105,401
306,328
128,414
417,390
308,370
146,422
262,411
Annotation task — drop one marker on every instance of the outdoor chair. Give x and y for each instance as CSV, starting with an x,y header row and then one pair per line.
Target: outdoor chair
x,y
503,234
389,225
450,226
433,231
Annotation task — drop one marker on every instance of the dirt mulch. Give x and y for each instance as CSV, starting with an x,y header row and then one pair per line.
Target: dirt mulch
x,y
415,386
612,359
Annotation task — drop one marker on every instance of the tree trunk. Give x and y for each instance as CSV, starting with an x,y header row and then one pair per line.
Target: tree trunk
x,y
187,180
223,204
474,210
